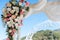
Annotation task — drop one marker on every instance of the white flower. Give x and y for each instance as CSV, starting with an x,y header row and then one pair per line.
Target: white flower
x,y
16,24
16,20
12,11
11,22
20,3
23,9
21,17
14,8
8,23
8,9
8,4
16,13
13,2
10,31
17,8
4,10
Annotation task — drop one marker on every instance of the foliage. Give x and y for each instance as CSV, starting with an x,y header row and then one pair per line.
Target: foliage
x,y
46,35
23,38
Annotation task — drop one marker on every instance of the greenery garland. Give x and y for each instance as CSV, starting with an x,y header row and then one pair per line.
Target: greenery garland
x,y
12,13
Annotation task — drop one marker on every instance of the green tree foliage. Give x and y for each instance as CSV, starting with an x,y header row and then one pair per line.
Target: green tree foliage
x,y
46,35
23,38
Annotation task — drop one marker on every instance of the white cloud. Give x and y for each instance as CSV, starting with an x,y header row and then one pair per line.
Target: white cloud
x,y
48,24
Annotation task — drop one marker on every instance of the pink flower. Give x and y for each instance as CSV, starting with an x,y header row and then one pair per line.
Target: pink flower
x,y
12,33
12,26
8,14
7,39
20,23
21,11
6,19
27,4
22,1
14,30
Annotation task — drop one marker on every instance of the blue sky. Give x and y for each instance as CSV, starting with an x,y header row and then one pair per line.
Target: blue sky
x,y
28,23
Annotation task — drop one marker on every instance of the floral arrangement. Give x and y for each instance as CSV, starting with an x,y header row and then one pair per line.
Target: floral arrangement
x,y
13,14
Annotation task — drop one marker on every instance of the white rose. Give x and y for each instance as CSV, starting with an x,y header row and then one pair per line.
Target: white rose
x,y
8,9
8,23
10,31
16,19
20,3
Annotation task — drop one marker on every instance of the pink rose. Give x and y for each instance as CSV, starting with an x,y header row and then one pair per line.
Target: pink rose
x,y
14,30
12,33
6,19
8,14
22,1
12,26
27,4
7,39
21,12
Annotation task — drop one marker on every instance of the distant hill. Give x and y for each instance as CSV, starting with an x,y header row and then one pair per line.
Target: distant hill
x,y
57,30
46,35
